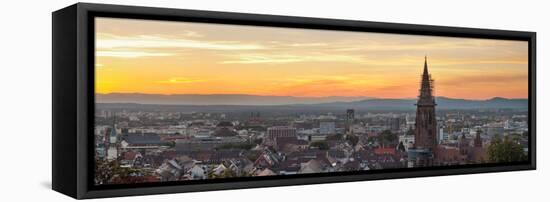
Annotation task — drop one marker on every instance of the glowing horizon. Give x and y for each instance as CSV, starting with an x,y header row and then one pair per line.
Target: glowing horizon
x,y
162,57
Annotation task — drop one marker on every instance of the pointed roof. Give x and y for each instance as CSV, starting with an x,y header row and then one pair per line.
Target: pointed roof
x,y
312,166
426,86
463,142
425,65
266,172
477,141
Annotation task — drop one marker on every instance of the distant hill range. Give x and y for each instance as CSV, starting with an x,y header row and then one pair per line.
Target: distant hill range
x,y
217,99
442,103
285,103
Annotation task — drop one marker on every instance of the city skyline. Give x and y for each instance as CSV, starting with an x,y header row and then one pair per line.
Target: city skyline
x,y
141,144
197,58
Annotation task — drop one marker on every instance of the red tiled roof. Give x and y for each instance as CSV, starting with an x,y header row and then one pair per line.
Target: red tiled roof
x,y
384,150
130,155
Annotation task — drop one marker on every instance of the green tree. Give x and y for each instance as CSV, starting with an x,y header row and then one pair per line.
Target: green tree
x,y
258,141
171,144
228,173
372,139
410,131
335,137
252,156
387,137
505,150
322,145
352,139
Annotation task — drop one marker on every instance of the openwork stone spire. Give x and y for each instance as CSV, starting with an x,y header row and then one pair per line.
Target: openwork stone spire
x,y
426,87
426,123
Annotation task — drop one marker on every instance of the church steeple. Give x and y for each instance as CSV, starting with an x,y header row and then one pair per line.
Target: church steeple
x,y
425,65
426,124
477,141
426,87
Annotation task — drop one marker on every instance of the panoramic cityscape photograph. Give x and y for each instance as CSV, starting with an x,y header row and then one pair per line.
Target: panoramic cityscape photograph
x,y
180,101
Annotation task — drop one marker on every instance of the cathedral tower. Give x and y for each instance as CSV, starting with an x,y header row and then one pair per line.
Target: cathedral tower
x,y
426,124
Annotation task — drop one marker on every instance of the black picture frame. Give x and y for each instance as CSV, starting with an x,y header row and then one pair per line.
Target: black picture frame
x,y
73,98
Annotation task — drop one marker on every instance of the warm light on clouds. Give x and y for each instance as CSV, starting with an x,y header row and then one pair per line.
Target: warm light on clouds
x,y
130,54
109,41
183,80
273,58
164,57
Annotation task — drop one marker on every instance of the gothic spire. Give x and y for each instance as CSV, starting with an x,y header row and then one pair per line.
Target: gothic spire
x,y
426,86
426,124
425,65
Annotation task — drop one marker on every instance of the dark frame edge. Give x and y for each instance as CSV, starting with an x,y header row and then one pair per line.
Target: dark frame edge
x,y
533,99
271,20
85,75
64,145
296,181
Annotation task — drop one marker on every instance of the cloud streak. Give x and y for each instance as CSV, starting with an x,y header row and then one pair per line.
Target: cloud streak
x,y
181,80
130,54
109,41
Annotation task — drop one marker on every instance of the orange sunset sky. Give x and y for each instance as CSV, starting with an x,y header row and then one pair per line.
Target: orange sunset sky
x,y
161,57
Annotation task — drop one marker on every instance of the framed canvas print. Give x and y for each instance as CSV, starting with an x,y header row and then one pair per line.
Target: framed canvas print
x,y
155,100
